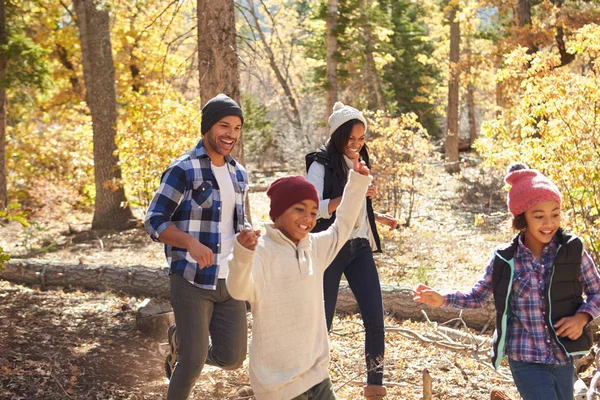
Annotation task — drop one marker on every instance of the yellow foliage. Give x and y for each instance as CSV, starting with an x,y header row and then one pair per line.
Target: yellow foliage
x,y
155,129
401,150
554,126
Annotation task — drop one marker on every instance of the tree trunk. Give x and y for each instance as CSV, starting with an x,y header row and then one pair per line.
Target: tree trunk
x,y
452,164
218,56
522,18
111,210
140,280
3,171
470,93
295,119
331,95
471,113
375,95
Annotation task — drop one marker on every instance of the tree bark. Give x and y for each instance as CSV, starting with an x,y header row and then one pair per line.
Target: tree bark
x,y
3,171
111,210
522,18
452,164
471,113
331,95
141,280
375,95
218,56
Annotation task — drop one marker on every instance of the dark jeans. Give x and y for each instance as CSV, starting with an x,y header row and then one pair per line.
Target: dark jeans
x,y
355,260
543,381
200,313
321,391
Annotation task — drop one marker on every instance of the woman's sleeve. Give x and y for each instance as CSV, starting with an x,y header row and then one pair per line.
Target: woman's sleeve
x,y
316,176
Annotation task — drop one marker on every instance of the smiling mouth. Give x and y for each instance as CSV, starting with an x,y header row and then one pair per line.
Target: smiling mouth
x,y
303,227
227,143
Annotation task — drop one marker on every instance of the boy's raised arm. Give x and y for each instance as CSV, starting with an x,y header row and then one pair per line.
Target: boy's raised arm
x,y
330,242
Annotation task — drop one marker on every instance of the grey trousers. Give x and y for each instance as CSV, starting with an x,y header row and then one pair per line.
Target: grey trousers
x,y
200,313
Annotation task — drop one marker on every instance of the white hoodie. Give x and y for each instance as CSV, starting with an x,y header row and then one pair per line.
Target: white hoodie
x,y
289,350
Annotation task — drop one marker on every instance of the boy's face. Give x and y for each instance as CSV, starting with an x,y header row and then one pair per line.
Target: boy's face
x,y
543,220
298,220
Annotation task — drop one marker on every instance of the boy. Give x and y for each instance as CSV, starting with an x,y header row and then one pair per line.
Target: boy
x,y
281,276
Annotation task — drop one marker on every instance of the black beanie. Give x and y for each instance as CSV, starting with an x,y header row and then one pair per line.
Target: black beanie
x,y
216,108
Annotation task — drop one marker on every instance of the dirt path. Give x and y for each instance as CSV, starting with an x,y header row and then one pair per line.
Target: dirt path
x,y
72,344
84,345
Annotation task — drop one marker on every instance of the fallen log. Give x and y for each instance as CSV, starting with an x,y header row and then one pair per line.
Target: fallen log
x,y
140,280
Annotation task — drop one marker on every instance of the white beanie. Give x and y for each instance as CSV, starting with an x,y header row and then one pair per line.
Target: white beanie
x,y
342,114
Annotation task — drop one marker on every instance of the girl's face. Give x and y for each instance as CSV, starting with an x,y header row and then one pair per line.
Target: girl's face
x,y
356,140
543,220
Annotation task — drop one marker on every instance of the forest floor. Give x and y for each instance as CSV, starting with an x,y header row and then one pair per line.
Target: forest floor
x,y
69,343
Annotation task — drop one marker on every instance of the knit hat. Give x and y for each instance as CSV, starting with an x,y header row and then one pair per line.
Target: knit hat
x,y
528,188
342,114
290,190
216,108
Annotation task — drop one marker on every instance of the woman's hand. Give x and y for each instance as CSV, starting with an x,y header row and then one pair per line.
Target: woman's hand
x,y
371,191
360,166
248,238
387,220
426,295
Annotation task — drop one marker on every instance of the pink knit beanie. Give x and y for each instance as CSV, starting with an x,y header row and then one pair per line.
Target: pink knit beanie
x,y
528,187
290,190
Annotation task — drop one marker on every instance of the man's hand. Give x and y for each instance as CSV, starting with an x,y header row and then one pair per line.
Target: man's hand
x,y
360,166
248,238
201,254
572,327
387,220
426,295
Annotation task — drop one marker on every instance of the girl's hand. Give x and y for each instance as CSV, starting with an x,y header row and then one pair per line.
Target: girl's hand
x,y
371,191
572,327
426,295
360,167
248,238
388,220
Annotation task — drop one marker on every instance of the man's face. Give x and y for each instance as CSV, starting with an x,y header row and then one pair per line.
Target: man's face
x,y
223,135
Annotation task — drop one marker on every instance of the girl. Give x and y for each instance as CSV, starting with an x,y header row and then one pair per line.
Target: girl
x,y
355,260
537,282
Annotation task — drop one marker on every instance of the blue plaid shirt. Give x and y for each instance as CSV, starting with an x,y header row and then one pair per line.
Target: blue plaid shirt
x,y
189,199
529,337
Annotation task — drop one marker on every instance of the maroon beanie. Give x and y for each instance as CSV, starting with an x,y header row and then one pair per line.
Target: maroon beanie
x,y
528,188
290,190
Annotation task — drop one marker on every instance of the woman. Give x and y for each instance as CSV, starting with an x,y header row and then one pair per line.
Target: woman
x,y
328,171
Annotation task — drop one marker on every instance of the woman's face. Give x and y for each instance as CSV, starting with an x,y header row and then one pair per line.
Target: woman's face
x,y
356,140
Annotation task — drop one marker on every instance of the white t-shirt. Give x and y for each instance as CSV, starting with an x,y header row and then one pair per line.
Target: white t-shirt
x,y
227,192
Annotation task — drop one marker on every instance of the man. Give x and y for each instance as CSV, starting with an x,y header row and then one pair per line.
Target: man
x,y
196,212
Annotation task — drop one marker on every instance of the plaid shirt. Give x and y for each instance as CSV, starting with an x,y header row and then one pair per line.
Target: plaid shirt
x,y
529,336
189,199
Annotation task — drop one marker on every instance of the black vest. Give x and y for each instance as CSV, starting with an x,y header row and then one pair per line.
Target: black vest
x,y
333,186
563,296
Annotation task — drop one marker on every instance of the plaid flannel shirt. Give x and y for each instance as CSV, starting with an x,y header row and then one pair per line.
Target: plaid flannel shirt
x,y
529,336
189,199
